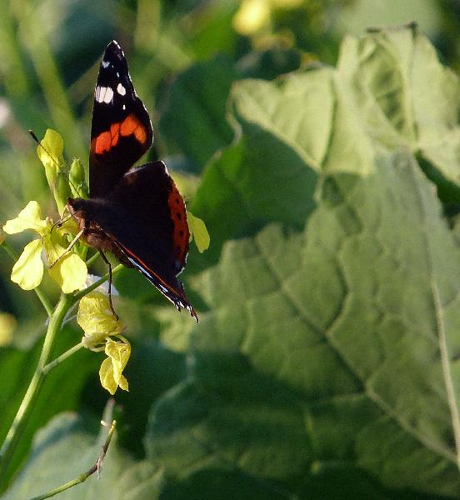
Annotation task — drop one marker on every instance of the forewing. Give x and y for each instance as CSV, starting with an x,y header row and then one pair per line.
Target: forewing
x,y
121,131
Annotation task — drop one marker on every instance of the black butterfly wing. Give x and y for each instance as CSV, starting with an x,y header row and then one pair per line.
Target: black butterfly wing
x,y
150,228
121,131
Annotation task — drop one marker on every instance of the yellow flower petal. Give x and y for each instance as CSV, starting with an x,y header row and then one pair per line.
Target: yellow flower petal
x,y
29,218
97,319
68,270
119,352
110,373
28,270
69,273
106,376
7,325
199,232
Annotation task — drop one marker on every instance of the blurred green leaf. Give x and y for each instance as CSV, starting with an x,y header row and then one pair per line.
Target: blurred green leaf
x,y
68,447
358,15
269,64
16,369
194,119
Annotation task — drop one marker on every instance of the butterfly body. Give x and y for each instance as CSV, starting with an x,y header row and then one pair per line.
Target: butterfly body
x,y
136,213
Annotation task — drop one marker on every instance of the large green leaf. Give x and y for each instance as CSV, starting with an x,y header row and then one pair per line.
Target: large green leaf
x,y
68,447
405,96
335,345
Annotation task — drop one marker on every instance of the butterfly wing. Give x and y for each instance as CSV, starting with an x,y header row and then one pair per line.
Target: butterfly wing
x,y
150,228
121,131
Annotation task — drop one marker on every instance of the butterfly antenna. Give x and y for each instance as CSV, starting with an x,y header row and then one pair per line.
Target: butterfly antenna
x,y
58,224
35,138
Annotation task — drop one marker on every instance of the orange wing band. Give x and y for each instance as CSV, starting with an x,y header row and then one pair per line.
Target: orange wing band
x,y
129,126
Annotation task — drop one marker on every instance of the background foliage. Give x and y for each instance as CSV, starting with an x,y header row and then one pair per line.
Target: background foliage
x,y
325,162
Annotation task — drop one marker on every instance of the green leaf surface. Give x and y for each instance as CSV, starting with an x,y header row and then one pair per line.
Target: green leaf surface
x,y
332,345
406,97
67,448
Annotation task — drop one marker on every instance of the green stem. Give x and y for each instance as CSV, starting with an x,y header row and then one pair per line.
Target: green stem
x,y
92,259
83,477
38,292
22,416
61,358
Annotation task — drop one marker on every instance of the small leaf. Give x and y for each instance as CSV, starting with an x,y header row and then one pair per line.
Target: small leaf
x,y
29,218
198,232
28,270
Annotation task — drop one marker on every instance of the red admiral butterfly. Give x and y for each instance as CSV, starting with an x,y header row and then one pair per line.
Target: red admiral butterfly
x,y
136,213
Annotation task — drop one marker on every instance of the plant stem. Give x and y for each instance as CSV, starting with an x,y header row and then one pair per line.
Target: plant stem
x,y
22,416
47,368
38,292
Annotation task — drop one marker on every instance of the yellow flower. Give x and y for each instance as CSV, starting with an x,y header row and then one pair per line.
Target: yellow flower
x,y
97,320
67,269
111,371
251,16
254,15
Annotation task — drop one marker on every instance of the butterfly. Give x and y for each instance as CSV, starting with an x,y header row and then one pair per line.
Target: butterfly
x,y
137,214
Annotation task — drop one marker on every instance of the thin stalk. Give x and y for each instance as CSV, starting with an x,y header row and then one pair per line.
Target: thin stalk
x,y
22,416
46,369
42,297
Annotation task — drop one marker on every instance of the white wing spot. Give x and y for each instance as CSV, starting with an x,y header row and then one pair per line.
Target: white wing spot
x,y
121,90
104,94
105,64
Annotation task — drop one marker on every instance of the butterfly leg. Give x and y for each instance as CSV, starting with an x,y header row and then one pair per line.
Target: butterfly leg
x,y
69,248
106,260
